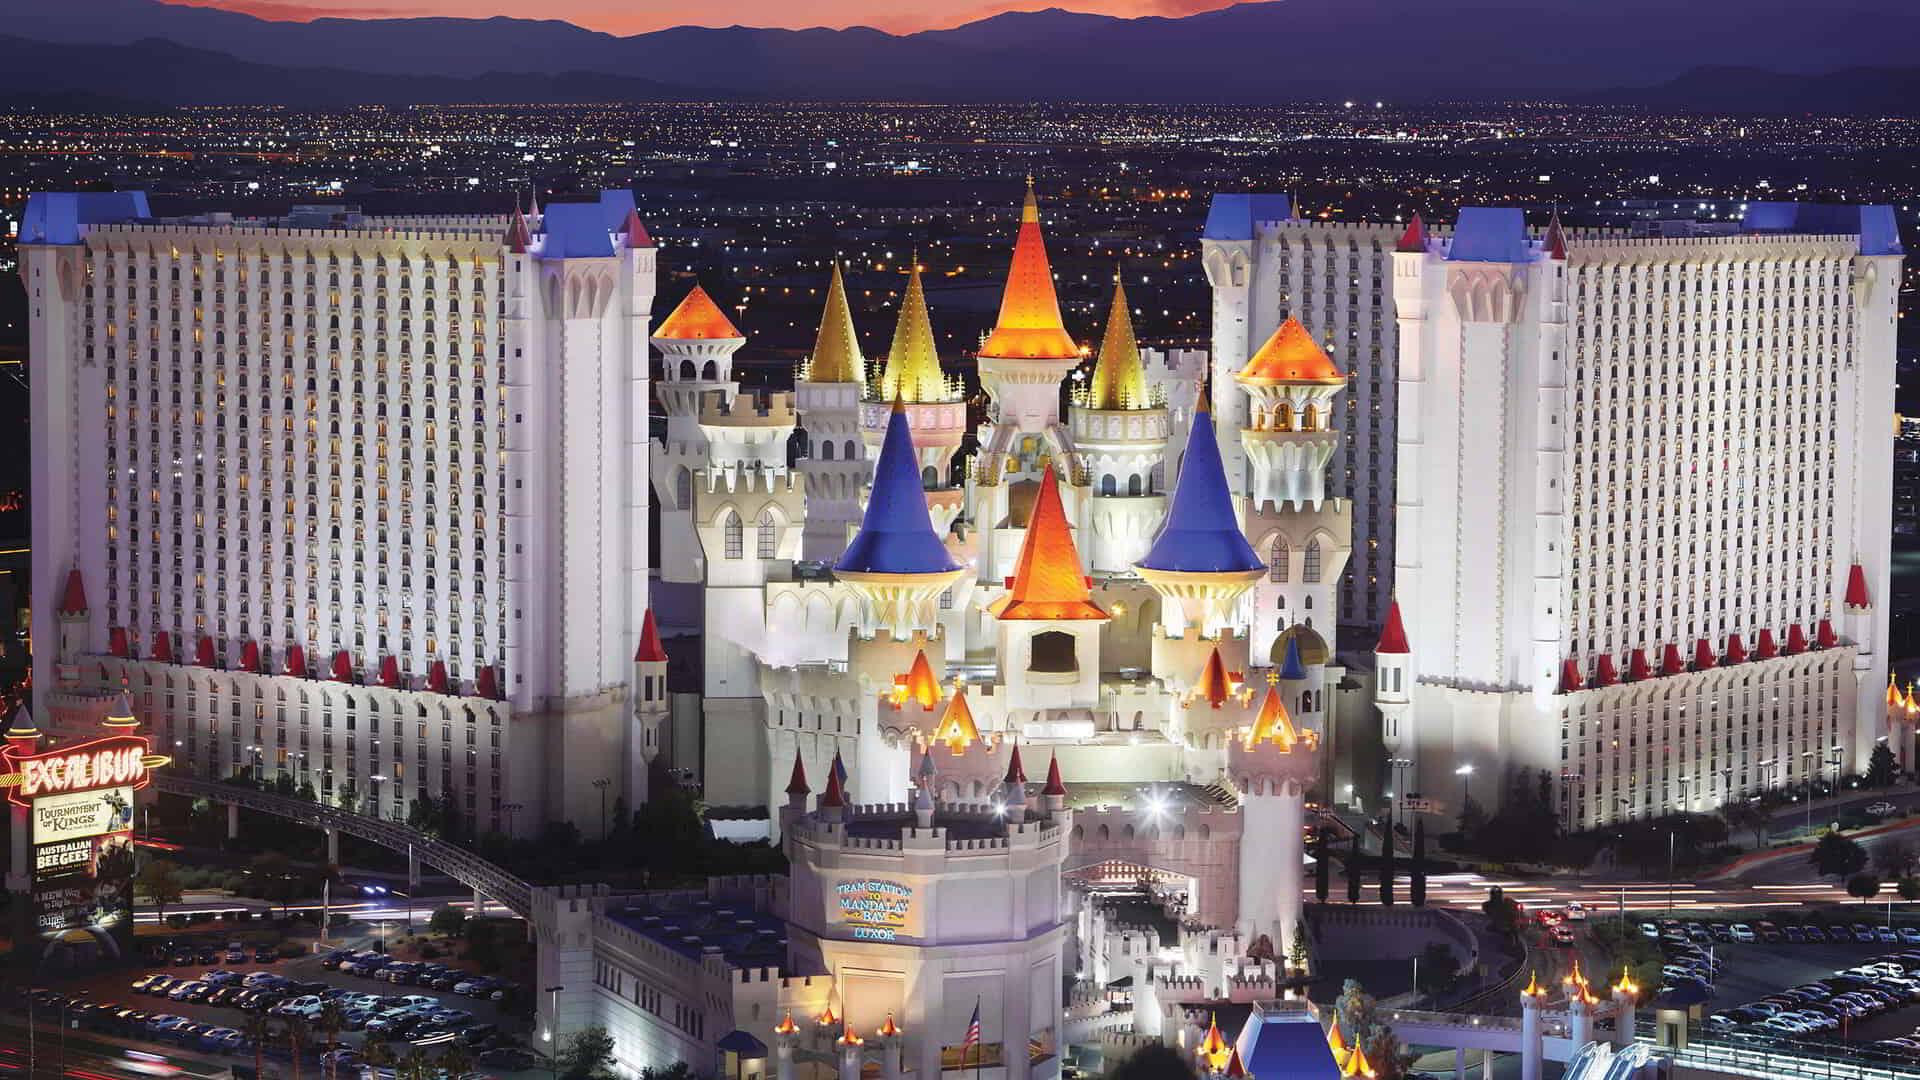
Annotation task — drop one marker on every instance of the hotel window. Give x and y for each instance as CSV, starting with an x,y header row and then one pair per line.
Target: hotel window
x,y
734,536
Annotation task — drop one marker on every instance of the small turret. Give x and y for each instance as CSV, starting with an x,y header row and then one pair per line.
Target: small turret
x,y
1055,793
896,562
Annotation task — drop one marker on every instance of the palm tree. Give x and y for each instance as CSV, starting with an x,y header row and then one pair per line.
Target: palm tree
x,y
415,1066
297,1036
331,1021
456,1062
376,1053
259,1030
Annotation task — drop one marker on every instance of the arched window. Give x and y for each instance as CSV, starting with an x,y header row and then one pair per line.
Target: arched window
x,y
1283,417
710,371
826,450
1311,572
769,535
682,487
1157,478
853,451
1277,561
1133,484
734,535
1107,486
1307,603
1312,419
686,369
929,477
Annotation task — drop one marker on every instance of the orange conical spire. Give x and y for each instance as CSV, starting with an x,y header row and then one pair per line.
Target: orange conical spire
x,y
1048,582
1213,684
1029,326
918,685
1335,1043
957,728
697,318
1273,724
1357,1064
1214,1046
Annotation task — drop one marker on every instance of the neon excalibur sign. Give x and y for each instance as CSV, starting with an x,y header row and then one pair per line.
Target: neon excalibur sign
x,y
115,761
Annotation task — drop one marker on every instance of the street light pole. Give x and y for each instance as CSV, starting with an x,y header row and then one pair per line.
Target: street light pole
x,y
1465,773
553,1030
603,783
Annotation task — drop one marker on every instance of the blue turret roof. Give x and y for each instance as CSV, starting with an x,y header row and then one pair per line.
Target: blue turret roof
x,y
896,536
1290,665
59,217
1201,533
1490,234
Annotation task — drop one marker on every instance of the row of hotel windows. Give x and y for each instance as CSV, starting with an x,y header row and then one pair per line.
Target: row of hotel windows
x,y
688,1019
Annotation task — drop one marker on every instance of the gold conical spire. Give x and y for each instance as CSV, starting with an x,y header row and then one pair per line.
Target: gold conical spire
x,y
1029,327
913,365
1119,380
836,352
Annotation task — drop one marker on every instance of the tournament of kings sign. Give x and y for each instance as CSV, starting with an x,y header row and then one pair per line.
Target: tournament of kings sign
x,y
874,910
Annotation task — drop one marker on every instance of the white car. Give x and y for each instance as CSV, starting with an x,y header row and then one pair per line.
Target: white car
x,y
1742,932
1576,912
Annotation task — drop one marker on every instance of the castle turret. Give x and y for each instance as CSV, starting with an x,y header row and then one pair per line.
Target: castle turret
x,y
1049,626
1393,682
1289,437
1120,432
827,395
1029,352
651,707
1200,561
75,622
696,342
1273,765
896,562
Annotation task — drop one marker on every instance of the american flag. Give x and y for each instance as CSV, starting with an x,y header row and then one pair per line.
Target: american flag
x,y
973,1028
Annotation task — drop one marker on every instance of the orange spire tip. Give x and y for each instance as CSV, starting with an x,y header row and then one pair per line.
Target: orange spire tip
x,y
957,728
786,1026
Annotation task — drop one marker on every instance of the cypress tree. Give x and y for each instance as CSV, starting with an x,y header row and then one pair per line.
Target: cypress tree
x,y
1322,864
1353,870
1386,870
1417,878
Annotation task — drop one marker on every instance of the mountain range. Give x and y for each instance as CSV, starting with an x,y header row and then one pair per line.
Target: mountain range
x,y
1782,56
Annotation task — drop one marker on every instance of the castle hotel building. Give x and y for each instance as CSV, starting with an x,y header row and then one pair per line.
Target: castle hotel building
x,y
358,500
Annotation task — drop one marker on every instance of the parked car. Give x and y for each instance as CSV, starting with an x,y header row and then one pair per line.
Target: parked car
x,y
1741,932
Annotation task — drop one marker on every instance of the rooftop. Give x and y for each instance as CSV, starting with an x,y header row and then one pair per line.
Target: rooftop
x,y
689,924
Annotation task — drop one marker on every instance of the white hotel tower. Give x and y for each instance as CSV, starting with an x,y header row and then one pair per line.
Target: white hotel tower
x,y
359,500
1643,500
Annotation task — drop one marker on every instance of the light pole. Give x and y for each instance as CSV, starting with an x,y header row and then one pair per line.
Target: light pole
x,y
1465,773
510,808
376,780
553,1029
1810,775
603,784
1399,767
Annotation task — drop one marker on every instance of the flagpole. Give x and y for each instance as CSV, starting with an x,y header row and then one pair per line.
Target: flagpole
x,y
978,1046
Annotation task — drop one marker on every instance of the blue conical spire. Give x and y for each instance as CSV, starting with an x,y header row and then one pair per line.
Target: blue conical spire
x,y
1291,667
1201,533
896,536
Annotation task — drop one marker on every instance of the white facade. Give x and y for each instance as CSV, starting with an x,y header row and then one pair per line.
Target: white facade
x,y
1620,454
396,450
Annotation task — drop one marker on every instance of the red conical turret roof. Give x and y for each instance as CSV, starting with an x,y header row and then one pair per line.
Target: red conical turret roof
x,y
1823,635
1766,649
1856,587
1055,786
1796,640
437,676
1603,672
1570,679
636,231
649,651
1702,655
834,795
1393,639
1670,662
1736,650
1637,667
1415,238
73,598
1016,773
797,783
1555,241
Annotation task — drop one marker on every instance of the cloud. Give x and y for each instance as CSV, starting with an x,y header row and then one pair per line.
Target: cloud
x,y
279,11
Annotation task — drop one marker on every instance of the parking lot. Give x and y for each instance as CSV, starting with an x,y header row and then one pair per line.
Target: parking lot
x,y
1770,982
207,1007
